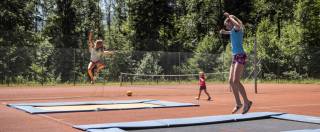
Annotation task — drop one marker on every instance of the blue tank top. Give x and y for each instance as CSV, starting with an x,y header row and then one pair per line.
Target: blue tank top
x,y
236,41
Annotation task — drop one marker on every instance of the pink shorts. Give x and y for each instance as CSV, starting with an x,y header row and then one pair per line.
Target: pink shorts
x,y
203,87
239,58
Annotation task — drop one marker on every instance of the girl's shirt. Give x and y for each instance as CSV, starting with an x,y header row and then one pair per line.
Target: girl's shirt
x,y
202,81
236,41
95,54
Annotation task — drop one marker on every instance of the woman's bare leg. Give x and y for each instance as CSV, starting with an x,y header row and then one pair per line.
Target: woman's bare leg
x,y
235,89
237,74
100,67
90,67
238,70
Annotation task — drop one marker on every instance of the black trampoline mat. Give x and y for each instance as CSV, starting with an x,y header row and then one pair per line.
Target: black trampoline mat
x,y
261,125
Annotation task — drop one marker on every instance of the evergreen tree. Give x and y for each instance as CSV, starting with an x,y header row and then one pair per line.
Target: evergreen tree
x,y
16,32
308,16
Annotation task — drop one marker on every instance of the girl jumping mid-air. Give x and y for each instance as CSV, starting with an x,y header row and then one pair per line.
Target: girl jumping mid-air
x,y
96,50
235,29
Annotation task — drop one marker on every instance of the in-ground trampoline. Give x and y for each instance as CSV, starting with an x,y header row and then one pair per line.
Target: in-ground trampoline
x,y
62,107
251,122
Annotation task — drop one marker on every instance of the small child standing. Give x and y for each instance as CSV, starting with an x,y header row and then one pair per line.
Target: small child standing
x,y
202,83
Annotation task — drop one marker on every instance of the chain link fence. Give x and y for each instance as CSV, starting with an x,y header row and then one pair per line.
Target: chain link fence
x,y
48,66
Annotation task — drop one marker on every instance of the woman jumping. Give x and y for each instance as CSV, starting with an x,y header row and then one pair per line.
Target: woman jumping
x,y
96,50
235,28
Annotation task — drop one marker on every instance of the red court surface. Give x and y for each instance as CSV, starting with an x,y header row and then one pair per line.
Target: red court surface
x,y
300,99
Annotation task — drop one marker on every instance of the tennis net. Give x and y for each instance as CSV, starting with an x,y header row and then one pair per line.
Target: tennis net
x,y
147,79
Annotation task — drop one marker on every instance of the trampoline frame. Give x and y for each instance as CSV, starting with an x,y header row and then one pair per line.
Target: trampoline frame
x,y
35,108
166,123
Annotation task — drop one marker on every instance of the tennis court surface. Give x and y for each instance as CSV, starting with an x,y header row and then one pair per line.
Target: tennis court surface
x,y
276,108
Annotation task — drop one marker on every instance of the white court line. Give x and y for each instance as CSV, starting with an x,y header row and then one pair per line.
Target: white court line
x,y
272,109
280,106
49,98
57,120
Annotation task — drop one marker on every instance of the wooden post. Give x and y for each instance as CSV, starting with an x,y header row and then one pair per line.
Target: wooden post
x,y
255,64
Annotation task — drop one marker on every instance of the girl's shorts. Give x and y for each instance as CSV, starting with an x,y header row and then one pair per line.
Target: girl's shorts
x,y
239,58
203,87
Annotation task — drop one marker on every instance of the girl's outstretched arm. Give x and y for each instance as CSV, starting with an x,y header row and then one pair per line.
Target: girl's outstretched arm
x,y
90,41
107,52
235,21
222,31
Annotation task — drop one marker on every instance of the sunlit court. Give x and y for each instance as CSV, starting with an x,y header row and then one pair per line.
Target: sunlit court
x,y
298,99
159,66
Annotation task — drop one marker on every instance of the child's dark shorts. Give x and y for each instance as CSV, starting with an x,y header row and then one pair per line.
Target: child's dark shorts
x,y
203,87
239,58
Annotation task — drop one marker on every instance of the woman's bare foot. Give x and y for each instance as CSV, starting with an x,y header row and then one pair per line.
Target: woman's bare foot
x,y
236,108
246,108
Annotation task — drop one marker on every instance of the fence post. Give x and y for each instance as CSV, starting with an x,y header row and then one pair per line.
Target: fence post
x,y
179,67
157,80
3,74
74,66
3,70
255,65
42,73
120,78
8,77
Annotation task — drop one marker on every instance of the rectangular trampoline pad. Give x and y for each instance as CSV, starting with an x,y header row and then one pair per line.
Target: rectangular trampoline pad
x,y
263,125
95,107
60,107
250,122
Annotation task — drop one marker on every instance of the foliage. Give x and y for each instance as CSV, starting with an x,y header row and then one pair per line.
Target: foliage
x,y
308,16
149,65
16,31
120,62
204,58
147,18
